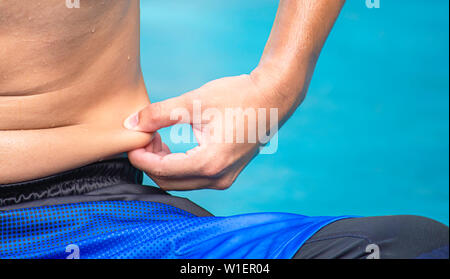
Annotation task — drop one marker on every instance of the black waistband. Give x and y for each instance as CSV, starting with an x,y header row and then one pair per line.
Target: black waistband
x,y
74,182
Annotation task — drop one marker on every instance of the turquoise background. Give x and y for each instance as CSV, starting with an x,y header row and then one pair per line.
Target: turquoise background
x,y
371,138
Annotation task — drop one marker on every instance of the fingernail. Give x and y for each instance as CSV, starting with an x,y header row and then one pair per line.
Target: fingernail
x,y
132,121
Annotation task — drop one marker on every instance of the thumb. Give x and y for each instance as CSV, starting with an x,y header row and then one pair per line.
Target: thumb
x,y
159,115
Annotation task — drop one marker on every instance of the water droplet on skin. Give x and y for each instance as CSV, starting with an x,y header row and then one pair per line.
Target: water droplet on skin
x,y
93,30
129,58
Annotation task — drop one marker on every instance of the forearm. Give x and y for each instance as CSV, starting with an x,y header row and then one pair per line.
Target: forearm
x,y
279,81
298,35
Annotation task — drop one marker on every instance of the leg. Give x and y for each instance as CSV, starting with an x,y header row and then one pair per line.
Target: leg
x,y
385,237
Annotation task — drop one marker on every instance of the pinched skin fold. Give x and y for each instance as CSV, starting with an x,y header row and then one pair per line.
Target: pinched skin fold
x,y
68,79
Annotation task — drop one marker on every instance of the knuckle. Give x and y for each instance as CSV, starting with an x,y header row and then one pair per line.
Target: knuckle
x,y
182,102
164,185
208,171
223,183
213,168
156,174
151,112
156,109
143,114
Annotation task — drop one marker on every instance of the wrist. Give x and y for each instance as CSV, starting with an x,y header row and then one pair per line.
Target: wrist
x,y
284,84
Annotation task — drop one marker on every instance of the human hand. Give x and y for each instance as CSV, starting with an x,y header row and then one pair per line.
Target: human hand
x,y
280,81
226,145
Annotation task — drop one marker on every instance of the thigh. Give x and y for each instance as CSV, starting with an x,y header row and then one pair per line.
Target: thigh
x,y
401,236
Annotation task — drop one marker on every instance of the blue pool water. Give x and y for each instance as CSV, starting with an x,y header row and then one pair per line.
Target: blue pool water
x,y
371,138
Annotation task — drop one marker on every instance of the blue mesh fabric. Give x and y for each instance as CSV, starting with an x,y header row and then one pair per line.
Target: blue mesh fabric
x,y
136,229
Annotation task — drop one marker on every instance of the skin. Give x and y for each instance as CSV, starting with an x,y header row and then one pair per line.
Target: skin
x,y
69,78
280,81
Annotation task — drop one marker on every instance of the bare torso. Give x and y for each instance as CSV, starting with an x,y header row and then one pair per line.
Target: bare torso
x,y
68,79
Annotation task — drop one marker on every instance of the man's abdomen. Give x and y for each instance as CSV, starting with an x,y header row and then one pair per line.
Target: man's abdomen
x,y
68,79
